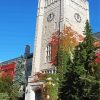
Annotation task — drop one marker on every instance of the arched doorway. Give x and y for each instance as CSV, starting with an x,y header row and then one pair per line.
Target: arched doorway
x,y
38,94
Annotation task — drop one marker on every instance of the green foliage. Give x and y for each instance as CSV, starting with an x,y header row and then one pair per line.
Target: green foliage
x,y
69,88
51,86
80,82
53,81
19,79
14,92
97,71
89,49
4,96
62,62
5,83
20,73
10,88
90,89
8,91
91,79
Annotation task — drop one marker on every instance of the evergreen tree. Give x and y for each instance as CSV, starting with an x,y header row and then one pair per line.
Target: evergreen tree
x,y
5,85
19,79
8,91
69,88
89,49
20,73
79,81
11,89
62,62
91,81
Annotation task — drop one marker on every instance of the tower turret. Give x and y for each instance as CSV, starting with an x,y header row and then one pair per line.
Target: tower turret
x,y
52,16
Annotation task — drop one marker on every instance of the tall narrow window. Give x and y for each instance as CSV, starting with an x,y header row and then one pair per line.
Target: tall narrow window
x,y
53,1
55,26
48,53
46,3
49,2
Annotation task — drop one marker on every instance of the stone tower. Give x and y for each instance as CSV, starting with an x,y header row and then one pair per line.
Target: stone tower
x,y
52,17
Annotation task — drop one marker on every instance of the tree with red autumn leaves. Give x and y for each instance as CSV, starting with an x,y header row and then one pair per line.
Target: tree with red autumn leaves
x,y
66,41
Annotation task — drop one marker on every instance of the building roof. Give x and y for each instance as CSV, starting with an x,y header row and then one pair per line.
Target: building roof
x,y
97,35
17,58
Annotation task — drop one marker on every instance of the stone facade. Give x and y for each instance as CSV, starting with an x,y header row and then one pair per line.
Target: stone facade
x,y
55,19
52,17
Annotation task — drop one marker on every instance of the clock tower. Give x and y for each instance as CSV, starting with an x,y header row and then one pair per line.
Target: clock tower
x,y
52,17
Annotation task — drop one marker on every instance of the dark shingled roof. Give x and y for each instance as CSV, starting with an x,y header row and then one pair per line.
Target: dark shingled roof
x,y
97,35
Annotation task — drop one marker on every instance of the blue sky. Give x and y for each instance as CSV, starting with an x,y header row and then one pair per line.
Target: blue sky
x,y
17,25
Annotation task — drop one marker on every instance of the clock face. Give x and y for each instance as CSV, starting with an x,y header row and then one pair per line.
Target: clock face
x,y
77,17
50,17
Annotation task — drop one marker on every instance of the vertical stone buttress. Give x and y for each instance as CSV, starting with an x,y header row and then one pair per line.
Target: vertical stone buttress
x,y
38,37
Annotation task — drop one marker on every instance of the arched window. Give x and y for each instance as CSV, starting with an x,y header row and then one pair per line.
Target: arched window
x,y
48,53
49,2
46,3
